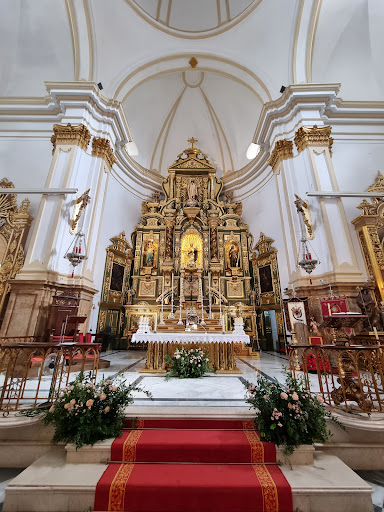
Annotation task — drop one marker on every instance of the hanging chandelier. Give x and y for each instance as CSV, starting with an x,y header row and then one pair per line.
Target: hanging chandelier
x,y
76,252
307,263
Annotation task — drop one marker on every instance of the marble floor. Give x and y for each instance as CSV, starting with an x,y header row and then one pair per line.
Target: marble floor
x,y
213,390
376,480
6,476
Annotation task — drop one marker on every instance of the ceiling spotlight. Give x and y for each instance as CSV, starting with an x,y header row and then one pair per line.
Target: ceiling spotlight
x,y
253,150
282,89
131,148
100,86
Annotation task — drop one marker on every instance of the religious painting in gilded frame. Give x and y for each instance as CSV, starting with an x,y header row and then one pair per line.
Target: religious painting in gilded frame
x,y
117,277
265,279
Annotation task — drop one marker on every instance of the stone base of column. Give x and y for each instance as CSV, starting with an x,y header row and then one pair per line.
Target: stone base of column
x,y
29,307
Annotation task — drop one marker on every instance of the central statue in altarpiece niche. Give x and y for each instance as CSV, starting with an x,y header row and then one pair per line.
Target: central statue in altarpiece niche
x,y
192,251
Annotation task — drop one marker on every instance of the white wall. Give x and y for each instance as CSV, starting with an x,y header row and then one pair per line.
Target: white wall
x,y
25,161
262,214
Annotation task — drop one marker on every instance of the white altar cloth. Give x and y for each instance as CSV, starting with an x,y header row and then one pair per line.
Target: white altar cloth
x,y
190,337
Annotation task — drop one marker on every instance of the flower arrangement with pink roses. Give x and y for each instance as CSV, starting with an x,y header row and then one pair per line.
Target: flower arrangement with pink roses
x,y
288,414
85,412
188,363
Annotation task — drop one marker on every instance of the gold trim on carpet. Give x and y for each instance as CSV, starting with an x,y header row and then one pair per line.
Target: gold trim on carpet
x,y
257,448
248,425
129,448
268,487
118,486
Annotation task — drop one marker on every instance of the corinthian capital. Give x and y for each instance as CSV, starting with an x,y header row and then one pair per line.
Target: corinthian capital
x,y
78,135
313,136
101,147
282,150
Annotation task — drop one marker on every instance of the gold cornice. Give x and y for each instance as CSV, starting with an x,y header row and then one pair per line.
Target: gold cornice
x,y
370,209
378,186
101,147
313,136
78,135
283,149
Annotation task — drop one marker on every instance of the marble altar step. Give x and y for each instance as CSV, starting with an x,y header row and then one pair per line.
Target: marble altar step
x,y
51,484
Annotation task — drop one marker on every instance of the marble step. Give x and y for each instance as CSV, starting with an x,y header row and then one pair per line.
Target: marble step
x,y
100,453
52,485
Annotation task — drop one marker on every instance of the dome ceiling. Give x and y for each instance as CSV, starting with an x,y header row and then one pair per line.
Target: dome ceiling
x,y
169,109
194,19
130,46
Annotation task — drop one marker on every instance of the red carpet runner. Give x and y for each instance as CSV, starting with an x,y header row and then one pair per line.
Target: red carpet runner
x,y
192,466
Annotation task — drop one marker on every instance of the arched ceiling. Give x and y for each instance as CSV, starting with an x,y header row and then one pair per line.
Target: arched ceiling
x,y
172,107
197,19
245,51
351,53
35,45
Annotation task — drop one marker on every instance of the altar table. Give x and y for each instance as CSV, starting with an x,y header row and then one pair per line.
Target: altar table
x,y
220,348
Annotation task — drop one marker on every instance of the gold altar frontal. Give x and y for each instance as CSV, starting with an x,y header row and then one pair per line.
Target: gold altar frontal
x,y
221,356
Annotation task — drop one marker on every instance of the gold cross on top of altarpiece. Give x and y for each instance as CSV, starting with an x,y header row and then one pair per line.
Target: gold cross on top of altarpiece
x,y
192,141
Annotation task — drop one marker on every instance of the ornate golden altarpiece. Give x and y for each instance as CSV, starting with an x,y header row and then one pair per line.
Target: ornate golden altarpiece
x,y
200,243
267,292
14,225
370,232
115,290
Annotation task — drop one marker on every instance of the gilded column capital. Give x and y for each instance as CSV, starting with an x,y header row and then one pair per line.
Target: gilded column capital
x,y
213,222
101,147
170,222
78,135
313,136
283,149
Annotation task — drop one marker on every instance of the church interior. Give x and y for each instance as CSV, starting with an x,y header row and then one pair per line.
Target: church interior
x,y
192,174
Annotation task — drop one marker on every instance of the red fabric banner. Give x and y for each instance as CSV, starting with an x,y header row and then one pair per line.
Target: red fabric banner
x,y
335,305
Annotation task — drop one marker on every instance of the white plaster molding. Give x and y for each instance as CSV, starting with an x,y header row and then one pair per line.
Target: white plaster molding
x,y
82,102
301,104
305,105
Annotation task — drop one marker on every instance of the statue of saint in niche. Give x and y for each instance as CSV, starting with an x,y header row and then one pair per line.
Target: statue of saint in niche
x,y
193,254
149,254
233,256
192,192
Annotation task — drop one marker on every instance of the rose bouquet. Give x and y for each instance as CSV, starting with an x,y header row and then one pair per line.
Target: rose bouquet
x,y
84,412
288,415
187,364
